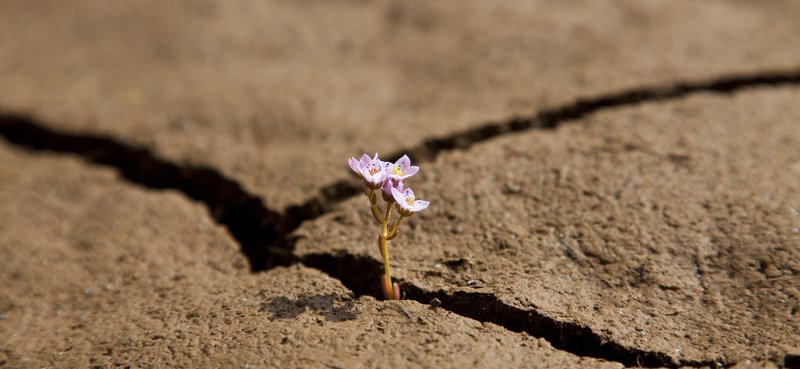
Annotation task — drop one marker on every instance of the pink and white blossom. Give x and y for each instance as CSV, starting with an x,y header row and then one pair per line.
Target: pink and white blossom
x,y
401,169
407,203
356,164
372,170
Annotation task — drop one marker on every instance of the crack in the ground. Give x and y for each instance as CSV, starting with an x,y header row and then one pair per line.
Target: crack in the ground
x,y
353,270
552,118
256,227
428,150
265,235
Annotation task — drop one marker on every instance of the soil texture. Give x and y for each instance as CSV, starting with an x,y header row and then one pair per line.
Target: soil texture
x,y
612,183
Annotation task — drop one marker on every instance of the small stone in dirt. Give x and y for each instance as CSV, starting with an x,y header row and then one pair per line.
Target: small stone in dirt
x,y
435,303
511,188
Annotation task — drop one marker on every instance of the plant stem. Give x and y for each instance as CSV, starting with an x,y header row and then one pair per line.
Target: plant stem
x,y
373,204
396,225
376,214
385,224
384,245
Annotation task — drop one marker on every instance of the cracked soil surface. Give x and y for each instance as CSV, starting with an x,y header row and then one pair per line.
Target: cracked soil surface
x,y
613,183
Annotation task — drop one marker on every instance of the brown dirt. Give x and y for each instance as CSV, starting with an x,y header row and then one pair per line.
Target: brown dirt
x,y
250,87
612,183
669,227
117,276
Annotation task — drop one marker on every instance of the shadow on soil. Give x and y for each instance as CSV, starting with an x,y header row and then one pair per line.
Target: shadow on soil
x,y
353,270
265,234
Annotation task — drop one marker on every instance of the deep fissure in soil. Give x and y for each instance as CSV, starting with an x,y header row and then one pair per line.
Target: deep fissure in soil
x,y
258,229
265,234
428,150
354,270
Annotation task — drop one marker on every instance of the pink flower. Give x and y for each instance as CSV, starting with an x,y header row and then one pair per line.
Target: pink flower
x,y
372,170
407,203
356,164
401,169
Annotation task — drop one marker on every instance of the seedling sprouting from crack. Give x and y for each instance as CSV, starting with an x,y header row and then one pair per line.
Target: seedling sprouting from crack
x,y
388,179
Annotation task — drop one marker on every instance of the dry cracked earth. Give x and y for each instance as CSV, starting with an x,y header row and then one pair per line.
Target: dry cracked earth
x,y
613,183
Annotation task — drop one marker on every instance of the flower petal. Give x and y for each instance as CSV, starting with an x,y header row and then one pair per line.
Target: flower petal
x,y
354,164
410,171
420,205
365,173
379,175
366,160
398,197
404,162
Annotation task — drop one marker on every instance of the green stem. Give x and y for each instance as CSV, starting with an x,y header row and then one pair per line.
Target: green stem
x,y
385,223
384,244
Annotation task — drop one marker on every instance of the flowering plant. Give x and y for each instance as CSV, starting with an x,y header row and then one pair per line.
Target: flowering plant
x,y
389,180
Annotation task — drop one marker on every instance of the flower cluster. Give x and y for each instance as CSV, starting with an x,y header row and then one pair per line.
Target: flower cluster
x,y
388,179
